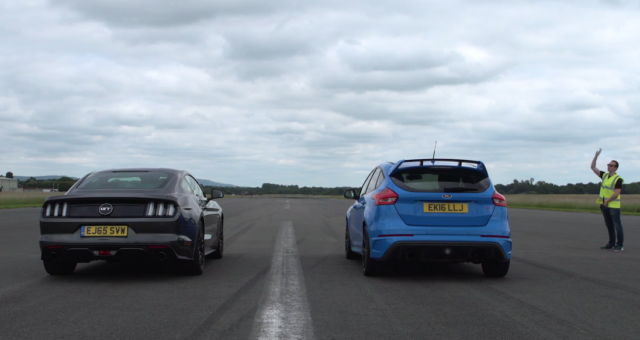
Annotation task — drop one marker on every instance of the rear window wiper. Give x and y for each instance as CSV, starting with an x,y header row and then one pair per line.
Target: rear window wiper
x,y
459,189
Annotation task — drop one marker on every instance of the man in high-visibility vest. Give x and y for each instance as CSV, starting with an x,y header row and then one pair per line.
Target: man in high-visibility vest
x,y
609,200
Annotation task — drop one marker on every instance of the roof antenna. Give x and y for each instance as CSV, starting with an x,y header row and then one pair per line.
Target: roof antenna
x,y
434,154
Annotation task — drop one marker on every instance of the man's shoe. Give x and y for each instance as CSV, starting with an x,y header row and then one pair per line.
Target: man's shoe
x,y
607,247
617,248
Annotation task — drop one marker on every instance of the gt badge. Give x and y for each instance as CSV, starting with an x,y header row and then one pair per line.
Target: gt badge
x,y
105,209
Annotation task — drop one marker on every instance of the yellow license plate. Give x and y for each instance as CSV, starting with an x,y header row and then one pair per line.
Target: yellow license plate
x,y
104,230
460,208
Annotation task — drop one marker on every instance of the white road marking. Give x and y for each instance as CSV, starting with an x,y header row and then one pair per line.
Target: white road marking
x,y
284,310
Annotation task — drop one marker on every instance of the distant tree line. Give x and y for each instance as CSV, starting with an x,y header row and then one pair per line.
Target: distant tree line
x,y
268,188
62,183
516,187
528,186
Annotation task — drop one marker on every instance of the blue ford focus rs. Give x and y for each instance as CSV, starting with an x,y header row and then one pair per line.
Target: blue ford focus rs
x,y
429,210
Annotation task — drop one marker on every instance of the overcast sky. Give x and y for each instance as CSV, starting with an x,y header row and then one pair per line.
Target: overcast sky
x,y
317,93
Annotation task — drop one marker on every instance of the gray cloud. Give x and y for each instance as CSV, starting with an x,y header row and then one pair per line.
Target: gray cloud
x,y
317,94
166,13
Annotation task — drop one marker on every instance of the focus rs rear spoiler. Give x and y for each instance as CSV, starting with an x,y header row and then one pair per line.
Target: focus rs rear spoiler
x,y
440,163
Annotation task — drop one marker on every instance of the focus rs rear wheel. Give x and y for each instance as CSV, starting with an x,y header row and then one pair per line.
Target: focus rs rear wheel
x,y
369,265
495,269
59,268
347,246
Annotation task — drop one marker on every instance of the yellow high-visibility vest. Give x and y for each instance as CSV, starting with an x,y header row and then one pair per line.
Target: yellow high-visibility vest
x,y
608,189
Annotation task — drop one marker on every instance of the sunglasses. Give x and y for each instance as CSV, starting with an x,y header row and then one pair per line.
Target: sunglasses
x,y
611,165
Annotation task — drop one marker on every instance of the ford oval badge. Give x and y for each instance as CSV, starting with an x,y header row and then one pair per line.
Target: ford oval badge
x,y
105,209
447,196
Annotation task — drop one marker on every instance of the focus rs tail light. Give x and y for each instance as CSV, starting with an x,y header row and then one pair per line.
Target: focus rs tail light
x,y
160,209
385,197
499,200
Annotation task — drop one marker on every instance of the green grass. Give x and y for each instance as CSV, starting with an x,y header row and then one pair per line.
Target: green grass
x,y
579,203
283,196
9,200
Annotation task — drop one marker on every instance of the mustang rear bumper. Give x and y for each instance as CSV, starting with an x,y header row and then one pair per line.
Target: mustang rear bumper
x,y
62,238
112,253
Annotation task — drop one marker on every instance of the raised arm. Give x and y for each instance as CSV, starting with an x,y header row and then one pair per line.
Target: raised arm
x,y
593,164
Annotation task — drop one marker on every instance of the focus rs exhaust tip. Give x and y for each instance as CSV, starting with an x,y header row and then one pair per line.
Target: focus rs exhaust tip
x,y
162,256
478,257
53,256
410,255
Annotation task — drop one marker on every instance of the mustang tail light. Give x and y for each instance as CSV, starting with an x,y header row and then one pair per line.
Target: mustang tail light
x,y
56,210
151,208
385,197
160,209
171,210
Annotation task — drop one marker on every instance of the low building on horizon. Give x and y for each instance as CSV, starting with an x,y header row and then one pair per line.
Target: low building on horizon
x,y
9,184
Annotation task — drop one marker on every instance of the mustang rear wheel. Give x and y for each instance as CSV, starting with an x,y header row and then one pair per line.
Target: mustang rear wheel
x,y
220,248
369,265
196,265
495,269
59,268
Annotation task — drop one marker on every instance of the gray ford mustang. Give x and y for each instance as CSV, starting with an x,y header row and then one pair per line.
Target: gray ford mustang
x,y
132,215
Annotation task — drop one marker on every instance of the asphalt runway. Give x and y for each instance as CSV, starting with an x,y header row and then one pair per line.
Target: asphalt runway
x,y
284,276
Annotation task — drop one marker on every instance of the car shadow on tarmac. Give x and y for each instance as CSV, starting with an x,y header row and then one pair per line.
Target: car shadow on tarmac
x,y
429,271
130,271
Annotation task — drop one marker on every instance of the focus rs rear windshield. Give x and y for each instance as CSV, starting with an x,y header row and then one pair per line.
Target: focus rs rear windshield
x,y
441,179
126,180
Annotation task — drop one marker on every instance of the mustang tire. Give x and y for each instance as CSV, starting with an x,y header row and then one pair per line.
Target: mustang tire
x,y
196,265
59,268
220,247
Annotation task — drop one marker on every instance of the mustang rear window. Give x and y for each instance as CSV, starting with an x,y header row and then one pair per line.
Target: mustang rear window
x,y
126,180
441,179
